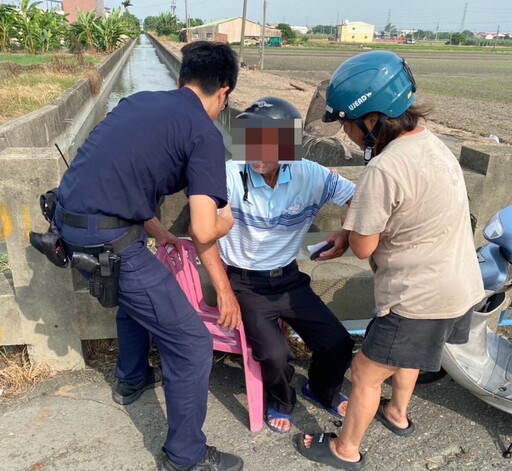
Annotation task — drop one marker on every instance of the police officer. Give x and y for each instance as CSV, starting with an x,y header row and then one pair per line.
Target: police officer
x,y
154,144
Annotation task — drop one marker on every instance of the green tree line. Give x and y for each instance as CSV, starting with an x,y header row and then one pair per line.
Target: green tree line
x,y
167,24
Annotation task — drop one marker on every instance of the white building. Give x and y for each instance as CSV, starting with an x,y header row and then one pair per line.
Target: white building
x,y
300,29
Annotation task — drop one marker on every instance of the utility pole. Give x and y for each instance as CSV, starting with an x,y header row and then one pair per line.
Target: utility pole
x,y
242,34
187,39
496,37
173,7
462,23
437,30
263,34
389,24
337,27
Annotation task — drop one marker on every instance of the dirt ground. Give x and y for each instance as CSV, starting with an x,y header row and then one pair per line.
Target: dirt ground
x,y
254,84
454,119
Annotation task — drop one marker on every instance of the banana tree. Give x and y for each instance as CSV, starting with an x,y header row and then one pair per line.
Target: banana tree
x,y
7,26
53,30
108,31
83,29
28,26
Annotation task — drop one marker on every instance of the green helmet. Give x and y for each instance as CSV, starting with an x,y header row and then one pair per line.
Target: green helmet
x,y
376,81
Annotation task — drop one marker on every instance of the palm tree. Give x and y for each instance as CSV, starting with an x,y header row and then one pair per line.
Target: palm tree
x,y
126,4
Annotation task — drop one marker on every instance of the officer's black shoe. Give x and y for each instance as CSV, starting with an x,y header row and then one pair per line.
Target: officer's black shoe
x,y
125,393
213,460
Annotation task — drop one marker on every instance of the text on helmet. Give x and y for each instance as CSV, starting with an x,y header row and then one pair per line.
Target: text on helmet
x,y
359,101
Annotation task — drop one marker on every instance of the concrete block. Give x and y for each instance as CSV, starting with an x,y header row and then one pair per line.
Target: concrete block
x,y
44,293
94,321
495,163
344,284
11,332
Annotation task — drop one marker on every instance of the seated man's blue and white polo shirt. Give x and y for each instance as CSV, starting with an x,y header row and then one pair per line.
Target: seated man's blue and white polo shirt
x,y
270,228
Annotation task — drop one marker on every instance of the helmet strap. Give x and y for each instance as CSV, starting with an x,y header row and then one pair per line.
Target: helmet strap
x,y
370,137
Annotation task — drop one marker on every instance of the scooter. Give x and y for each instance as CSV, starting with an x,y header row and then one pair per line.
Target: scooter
x,y
484,365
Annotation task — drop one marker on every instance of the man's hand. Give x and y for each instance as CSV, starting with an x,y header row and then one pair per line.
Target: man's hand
x,y
167,238
230,315
340,239
162,236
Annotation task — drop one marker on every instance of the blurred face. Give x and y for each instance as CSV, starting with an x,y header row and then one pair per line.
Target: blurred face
x,y
265,168
266,141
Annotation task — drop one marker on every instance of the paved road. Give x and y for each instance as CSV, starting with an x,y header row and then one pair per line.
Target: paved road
x,y
70,423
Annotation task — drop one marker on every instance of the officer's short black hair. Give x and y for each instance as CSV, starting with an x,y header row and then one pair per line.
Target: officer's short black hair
x,y
209,65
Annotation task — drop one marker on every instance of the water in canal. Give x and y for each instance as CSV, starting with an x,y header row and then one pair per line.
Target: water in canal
x,y
143,71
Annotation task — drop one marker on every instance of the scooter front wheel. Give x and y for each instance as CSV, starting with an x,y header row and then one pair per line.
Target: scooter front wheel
x,y
426,377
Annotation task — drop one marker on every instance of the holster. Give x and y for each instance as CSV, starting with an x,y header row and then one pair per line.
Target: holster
x,y
51,245
104,269
99,261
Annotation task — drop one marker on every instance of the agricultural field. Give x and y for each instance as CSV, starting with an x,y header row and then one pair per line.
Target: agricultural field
x,y
471,92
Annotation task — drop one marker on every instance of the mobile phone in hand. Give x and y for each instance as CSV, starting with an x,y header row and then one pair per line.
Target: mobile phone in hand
x,y
327,246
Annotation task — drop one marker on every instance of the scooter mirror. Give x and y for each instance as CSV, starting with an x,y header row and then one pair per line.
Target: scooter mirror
x,y
499,231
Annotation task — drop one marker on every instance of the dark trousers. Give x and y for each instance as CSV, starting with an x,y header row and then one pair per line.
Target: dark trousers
x,y
151,304
264,300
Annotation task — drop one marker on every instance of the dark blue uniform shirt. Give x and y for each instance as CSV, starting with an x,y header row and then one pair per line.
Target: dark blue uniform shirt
x,y
150,145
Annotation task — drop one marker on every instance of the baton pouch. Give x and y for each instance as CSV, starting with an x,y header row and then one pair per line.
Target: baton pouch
x,y
104,282
51,245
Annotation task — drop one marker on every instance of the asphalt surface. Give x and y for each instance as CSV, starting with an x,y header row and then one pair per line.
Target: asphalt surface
x,y
70,422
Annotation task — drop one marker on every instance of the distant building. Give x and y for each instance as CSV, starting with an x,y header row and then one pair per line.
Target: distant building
x,y
356,32
230,31
300,29
490,35
71,7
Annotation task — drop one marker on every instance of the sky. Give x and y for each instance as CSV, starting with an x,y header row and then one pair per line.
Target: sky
x,y
447,15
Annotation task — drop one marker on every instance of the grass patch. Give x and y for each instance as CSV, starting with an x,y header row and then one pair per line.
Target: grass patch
x,y
4,263
17,374
29,87
28,92
38,59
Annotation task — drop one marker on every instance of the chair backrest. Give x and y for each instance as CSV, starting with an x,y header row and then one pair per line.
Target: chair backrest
x,y
183,268
183,264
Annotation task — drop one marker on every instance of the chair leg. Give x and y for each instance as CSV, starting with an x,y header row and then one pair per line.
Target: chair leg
x,y
254,387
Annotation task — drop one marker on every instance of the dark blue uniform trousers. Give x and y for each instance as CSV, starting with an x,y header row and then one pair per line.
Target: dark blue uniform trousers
x,y
265,299
152,305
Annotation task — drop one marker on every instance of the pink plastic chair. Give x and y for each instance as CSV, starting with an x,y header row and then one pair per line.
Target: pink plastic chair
x,y
183,264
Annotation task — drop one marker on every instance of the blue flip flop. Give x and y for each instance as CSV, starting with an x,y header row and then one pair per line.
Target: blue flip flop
x,y
273,414
310,396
